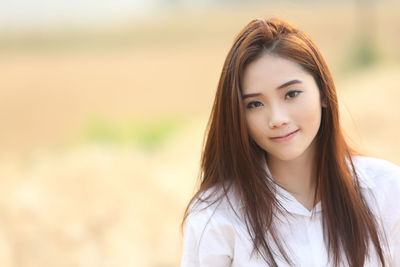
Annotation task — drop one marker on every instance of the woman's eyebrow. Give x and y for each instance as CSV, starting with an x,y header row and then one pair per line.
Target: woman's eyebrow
x,y
286,84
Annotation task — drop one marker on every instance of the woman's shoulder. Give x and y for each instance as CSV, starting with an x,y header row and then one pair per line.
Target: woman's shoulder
x,y
214,208
210,229
216,200
380,181
375,164
376,172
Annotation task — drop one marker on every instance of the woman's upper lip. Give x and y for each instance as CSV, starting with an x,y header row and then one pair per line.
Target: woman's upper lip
x,y
284,135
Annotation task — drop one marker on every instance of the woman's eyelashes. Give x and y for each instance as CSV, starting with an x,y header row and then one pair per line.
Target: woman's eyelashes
x,y
292,94
254,104
289,95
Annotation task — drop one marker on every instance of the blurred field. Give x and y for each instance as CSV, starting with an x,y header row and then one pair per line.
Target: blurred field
x,y
101,129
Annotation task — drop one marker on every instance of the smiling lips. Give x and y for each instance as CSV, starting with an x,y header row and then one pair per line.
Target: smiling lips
x,y
284,137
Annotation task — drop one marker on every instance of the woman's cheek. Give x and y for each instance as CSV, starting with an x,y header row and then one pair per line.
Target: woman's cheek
x,y
255,125
309,115
308,108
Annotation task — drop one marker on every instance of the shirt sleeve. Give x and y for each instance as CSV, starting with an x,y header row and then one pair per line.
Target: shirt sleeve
x,y
207,241
395,234
394,217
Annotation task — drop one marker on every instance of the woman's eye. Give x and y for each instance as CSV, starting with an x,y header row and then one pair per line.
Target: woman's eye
x,y
254,104
292,94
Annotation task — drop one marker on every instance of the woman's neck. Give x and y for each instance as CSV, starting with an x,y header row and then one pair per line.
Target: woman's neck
x,y
297,176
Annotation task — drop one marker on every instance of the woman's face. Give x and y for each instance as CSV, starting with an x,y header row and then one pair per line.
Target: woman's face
x,y
282,106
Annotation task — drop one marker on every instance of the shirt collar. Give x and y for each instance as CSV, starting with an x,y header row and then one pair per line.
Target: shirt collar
x,y
289,202
292,205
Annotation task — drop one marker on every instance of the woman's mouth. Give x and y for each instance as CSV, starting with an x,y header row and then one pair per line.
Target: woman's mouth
x,y
284,138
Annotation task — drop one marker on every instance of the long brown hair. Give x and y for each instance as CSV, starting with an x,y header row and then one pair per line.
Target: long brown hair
x,y
231,158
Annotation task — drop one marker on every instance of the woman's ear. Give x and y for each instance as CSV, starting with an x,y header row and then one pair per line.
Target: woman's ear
x,y
324,102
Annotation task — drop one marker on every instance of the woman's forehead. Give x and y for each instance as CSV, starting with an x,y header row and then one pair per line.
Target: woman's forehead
x,y
271,72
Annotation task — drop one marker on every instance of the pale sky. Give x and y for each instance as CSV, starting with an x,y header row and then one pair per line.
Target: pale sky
x,y
19,14
25,14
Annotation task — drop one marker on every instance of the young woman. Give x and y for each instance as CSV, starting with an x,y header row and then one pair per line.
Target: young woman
x,y
279,184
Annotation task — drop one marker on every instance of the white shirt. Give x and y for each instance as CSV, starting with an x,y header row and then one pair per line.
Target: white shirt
x,y
216,237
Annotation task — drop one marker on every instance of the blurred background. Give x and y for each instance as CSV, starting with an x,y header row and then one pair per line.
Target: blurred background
x,y
103,107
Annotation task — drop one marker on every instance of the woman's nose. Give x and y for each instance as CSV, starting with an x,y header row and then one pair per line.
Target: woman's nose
x,y
277,119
